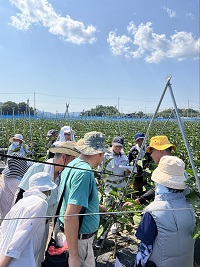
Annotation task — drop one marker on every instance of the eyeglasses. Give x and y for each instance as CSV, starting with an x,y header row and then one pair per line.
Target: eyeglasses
x,y
67,134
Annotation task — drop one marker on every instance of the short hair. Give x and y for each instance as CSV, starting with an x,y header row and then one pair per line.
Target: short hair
x,y
172,190
169,149
57,155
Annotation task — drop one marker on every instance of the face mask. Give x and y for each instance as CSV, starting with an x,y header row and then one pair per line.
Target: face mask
x,y
16,143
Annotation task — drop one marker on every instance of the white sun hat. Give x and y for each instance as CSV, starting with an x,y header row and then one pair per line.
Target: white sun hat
x,y
42,181
170,173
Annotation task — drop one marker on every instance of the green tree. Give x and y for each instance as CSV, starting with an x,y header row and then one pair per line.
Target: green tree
x,y
7,108
101,111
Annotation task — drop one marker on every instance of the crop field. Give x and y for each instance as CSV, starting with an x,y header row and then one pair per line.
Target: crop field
x,y
34,132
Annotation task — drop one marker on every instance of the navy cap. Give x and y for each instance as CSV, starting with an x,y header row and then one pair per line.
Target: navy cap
x,y
51,132
118,141
139,135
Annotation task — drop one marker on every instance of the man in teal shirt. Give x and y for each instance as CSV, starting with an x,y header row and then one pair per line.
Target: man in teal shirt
x,y
81,196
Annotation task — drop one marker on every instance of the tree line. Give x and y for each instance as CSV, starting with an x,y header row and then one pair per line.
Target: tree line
x,y
110,111
9,108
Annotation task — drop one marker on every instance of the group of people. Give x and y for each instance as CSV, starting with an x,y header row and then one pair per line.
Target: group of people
x,y
166,227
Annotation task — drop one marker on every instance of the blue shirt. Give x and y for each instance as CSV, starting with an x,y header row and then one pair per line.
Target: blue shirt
x,y
147,230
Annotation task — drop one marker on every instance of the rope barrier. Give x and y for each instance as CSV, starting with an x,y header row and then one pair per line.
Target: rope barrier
x,y
60,165
114,213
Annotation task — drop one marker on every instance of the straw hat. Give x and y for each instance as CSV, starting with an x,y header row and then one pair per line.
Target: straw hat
x,y
16,137
67,148
92,144
170,173
42,181
160,142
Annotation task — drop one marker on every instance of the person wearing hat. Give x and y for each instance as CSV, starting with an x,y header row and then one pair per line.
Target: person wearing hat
x,y
114,160
144,158
18,145
167,225
22,230
159,147
81,196
51,138
66,134
9,180
64,152
135,150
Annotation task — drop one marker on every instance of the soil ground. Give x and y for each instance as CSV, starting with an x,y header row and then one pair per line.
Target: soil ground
x,y
125,247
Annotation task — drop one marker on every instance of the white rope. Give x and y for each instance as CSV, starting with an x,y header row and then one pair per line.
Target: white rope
x,y
97,213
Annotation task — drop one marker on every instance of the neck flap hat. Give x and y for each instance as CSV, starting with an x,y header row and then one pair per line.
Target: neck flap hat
x,y
160,142
42,181
92,143
170,173
66,129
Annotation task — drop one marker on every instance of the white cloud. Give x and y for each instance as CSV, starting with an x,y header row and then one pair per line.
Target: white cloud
x,y
41,12
118,43
190,15
170,12
142,41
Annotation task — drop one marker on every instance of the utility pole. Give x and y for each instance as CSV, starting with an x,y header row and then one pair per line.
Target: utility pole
x,y
118,105
188,108
34,105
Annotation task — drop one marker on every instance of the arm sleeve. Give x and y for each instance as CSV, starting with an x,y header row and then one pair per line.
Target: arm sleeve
x,y
130,157
149,195
147,230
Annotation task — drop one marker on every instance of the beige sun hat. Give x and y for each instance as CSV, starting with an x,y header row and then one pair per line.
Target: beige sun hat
x,y
16,137
160,142
67,148
170,173
93,143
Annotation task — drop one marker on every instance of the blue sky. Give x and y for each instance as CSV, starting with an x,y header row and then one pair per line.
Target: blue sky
x,y
88,52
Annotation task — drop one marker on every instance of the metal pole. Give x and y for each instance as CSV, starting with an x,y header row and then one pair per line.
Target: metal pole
x,y
67,112
118,119
184,137
29,113
148,130
153,118
13,115
34,106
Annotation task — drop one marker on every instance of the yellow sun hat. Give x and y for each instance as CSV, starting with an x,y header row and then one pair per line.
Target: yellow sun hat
x,y
160,142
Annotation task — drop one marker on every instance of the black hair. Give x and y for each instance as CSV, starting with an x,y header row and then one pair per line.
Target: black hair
x,y
172,190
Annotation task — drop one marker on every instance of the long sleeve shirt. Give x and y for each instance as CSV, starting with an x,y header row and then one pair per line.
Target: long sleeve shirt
x,y
21,238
